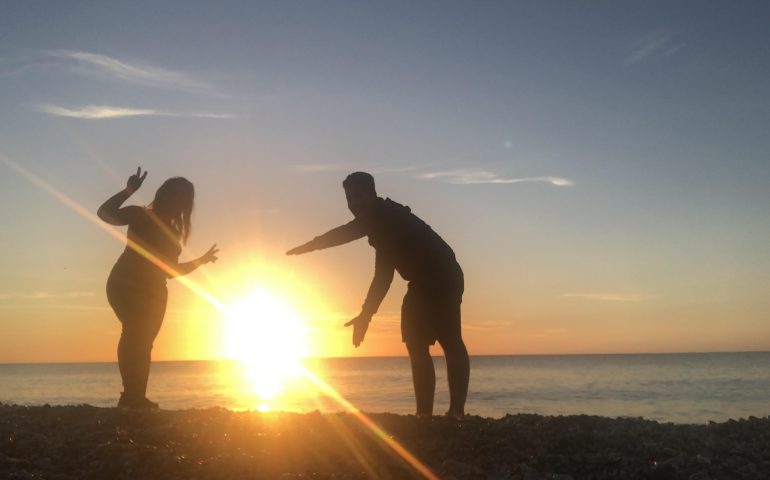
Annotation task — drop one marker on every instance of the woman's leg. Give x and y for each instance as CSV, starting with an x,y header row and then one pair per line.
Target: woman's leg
x,y
141,315
154,321
134,352
127,362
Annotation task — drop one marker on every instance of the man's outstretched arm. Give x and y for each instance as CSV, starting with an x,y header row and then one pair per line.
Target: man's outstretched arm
x,y
336,236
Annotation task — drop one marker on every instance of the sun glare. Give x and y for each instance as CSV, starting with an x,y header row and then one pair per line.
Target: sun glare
x,y
268,338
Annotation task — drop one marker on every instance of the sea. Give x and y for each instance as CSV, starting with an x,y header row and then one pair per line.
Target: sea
x,y
688,388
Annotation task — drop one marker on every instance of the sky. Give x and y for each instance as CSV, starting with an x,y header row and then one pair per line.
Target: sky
x,y
601,169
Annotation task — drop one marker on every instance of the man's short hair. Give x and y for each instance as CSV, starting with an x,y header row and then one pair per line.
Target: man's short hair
x,y
360,181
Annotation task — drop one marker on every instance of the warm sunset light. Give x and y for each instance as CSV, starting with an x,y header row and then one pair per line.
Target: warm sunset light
x,y
268,338
384,239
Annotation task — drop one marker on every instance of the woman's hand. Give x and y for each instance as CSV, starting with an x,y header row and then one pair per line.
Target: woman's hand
x,y
210,256
188,267
135,181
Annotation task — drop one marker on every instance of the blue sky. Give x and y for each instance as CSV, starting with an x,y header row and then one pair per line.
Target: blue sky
x,y
600,168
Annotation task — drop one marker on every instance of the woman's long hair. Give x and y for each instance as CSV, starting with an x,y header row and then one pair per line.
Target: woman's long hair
x,y
174,204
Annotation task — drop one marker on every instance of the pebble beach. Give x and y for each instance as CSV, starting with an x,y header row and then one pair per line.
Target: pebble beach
x,y
84,442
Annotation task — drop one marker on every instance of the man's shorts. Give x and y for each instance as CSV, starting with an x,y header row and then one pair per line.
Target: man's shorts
x,y
431,312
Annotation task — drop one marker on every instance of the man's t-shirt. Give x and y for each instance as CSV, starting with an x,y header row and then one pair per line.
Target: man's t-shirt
x,y
407,243
404,243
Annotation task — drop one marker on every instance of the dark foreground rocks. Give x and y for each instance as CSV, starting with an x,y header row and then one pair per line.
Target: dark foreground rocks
x,y
83,442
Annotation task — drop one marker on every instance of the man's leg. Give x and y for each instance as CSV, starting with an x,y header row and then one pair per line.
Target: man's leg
x,y
458,371
423,376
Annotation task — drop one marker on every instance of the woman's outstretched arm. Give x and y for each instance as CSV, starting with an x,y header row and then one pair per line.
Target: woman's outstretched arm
x,y
111,211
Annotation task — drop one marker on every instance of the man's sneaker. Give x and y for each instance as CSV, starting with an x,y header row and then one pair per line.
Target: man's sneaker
x,y
137,403
454,415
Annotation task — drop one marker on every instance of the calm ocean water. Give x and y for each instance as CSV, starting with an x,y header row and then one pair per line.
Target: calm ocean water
x,y
682,388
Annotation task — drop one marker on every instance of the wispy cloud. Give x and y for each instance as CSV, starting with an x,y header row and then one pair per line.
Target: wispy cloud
x,y
53,306
320,167
545,333
654,45
266,211
101,112
474,177
133,72
459,177
352,167
398,168
488,326
609,297
42,295
11,66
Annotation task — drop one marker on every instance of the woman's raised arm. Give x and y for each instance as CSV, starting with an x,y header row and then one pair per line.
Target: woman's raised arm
x,y
111,211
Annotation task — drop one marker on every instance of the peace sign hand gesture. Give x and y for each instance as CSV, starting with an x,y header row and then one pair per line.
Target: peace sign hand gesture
x,y
135,180
211,255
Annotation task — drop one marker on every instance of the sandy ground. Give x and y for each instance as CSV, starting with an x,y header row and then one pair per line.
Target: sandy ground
x,y
68,442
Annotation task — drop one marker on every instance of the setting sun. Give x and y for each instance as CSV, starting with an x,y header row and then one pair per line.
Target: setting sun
x,y
265,334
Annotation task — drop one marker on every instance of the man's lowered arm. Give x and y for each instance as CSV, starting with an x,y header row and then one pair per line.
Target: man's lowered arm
x,y
383,276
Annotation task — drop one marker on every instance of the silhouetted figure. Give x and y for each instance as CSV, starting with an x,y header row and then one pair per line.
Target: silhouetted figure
x,y
431,307
136,287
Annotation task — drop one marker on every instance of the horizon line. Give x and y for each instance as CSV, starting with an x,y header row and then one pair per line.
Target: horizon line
x,y
598,354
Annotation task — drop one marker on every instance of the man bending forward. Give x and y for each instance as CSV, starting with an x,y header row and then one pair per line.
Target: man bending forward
x,y
431,307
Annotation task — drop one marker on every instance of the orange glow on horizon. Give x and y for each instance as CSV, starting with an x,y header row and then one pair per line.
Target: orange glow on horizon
x,y
261,300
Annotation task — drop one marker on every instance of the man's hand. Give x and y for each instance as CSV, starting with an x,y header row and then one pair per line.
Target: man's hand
x,y
135,181
360,326
304,248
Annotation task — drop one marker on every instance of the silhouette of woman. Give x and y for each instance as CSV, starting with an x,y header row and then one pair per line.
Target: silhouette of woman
x,y
136,287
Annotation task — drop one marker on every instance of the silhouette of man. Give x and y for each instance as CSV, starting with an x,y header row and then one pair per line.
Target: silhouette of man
x,y
431,308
